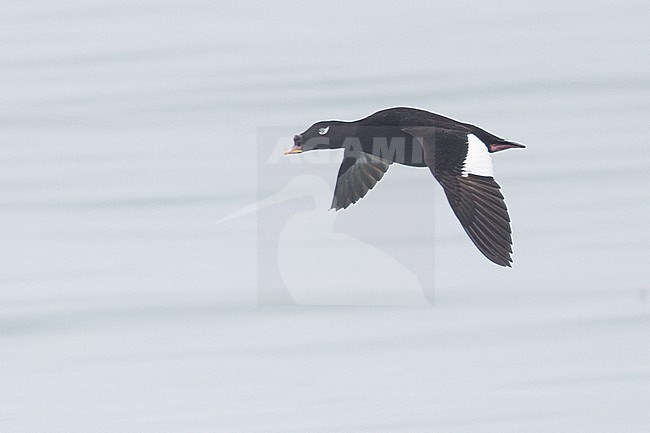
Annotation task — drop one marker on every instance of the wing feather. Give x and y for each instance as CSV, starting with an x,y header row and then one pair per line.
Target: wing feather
x,y
358,174
476,200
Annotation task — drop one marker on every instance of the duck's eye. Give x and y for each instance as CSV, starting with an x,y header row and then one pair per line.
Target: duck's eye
x,y
323,131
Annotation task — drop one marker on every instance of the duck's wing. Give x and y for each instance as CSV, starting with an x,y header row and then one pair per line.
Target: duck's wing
x,y
358,174
460,162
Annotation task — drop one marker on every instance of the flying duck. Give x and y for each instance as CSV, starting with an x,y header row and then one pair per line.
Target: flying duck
x,y
457,153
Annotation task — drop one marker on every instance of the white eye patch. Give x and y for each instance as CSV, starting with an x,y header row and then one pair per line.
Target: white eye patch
x,y
323,131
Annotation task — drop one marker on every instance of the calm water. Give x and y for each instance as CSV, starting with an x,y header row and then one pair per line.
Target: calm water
x,y
129,131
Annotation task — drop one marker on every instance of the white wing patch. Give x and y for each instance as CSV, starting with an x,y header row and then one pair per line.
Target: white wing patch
x,y
323,131
478,160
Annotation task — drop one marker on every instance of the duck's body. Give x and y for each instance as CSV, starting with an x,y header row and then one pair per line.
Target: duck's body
x,y
458,155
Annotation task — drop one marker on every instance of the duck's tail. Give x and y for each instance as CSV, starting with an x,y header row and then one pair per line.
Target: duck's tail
x,y
498,145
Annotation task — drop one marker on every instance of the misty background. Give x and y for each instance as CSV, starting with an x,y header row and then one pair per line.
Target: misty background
x,y
129,130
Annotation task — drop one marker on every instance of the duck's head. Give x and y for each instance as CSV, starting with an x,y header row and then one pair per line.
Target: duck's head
x,y
320,135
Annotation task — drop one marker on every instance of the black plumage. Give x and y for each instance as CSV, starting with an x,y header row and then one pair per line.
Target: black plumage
x,y
358,174
456,153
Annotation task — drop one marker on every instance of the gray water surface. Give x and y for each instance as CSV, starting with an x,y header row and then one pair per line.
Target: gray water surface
x,y
129,129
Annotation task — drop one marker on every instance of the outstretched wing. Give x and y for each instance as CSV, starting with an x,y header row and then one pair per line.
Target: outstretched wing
x,y
462,165
358,174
